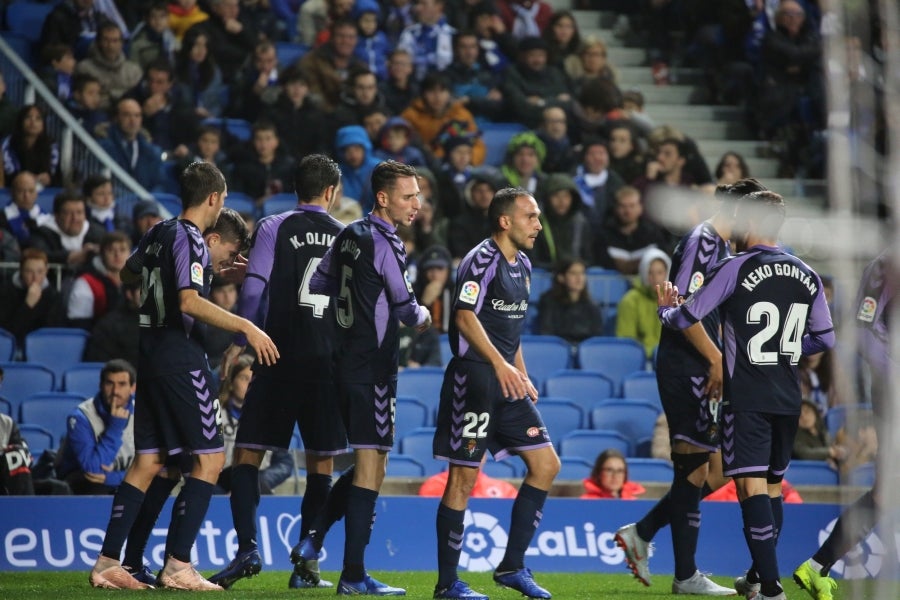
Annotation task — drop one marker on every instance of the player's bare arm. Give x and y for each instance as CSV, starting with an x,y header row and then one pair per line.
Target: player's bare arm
x,y
520,364
191,303
513,382
696,335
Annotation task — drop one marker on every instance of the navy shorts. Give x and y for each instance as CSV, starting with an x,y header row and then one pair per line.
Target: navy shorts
x,y
368,413
178,412
275,403
756,444
474,416
687,411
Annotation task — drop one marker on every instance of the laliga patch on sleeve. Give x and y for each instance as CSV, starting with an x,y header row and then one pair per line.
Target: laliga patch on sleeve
x,y
408,284
696,282
867,309
196,273
469,292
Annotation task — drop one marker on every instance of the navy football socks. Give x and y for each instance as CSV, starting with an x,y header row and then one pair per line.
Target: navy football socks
x,y
526,516
360,519
159,491
317,488
759,531
685,517
190,506
450,528
244,502
126,505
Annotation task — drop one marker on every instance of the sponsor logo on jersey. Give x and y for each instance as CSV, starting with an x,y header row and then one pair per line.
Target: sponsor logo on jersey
x,y
197,273
867,309
696,282
533,432
469,292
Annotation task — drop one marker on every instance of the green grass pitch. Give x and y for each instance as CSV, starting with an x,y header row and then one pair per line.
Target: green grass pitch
x,y
272,585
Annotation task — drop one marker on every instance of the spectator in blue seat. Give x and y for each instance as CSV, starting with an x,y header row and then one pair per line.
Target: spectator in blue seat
x,y
128,145
115,335
23,216
152,38
373,45
99,444
57,76
256,86
359,96
567,309
208,148
101,204
30,148
355,158
69,239
531,84
399,88
198,77
167,116
85,104
266,169
567,231
107,62
609,479
98,289
430,39
302,123
395,143
636,317
29,301
472,81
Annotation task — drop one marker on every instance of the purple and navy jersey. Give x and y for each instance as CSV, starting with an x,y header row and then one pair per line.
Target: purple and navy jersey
x,y
874,299
498,293
171,257
693,260
365,270
285,251
773,310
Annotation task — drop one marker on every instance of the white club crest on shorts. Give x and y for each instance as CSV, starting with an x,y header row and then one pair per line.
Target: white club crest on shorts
x,y
867,309
197,273
468,293
696,282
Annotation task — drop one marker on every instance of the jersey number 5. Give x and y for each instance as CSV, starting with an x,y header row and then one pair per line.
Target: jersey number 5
x,y
345,303
791,342
317,302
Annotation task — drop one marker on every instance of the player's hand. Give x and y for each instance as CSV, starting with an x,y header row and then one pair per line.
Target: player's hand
x,y
95,477
714,380
666,295
236,272
532,391
426,323
229,358
513,382
266,352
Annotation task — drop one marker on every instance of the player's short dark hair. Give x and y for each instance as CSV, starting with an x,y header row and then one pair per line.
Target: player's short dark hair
x,y
92,182
199,180
386,174
118,365
313,175
231,227
765,208
732,192
66,196
502,204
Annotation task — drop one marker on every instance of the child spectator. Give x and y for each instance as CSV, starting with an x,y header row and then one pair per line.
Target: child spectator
x,y
101,203
456,168
567,309
372,46
58,76
302,122
633,105
636,318
399,88
567,232
265,170
373,121
85,104
30,148
182,15
625,159
152,38
354,151
98,289
555,135
394,143
208,148
434,110
198,77
609,478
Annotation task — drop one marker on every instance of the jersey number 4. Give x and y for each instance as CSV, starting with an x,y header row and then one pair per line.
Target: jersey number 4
x,y
791,342
317,302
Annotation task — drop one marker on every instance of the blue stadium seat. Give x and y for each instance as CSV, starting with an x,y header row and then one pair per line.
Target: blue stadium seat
x,y
7,346
863,475
21,380
83,378
838,416
560,415
633,419
289,52
49,410
544,355
238,128
500,469
241,202
641,385
583,388
400,465
650,469
606,286
410,414
614,357
574,468
496,139
418,444
446,352
57,347
171,202
45,198
38,439
27,18
424,384
811,472
19,44
588,443
6,407
279,203
541,281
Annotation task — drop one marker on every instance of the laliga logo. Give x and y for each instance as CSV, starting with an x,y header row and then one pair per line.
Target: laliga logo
x,y
863,561
484,542
286,533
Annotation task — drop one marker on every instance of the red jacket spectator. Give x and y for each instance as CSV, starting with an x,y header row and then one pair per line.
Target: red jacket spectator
x,y
485,487
630,490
